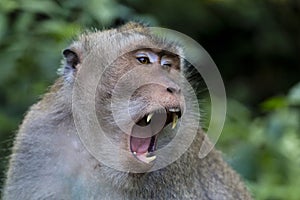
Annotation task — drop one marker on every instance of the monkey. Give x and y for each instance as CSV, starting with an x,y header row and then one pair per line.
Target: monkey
x,y
58,154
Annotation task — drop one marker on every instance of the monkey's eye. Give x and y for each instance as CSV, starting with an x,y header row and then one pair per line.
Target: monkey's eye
x,y
167,65
143,60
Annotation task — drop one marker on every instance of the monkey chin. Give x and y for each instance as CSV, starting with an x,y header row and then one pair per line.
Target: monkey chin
x,y
144,135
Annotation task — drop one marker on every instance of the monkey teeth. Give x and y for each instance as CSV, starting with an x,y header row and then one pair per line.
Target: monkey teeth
x,y
149,117
143,148
149,159
175,120
174,109
145,157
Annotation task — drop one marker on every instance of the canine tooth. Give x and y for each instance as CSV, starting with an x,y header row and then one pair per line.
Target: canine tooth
x,y
134,153
175,120
150,159
149,117
144,157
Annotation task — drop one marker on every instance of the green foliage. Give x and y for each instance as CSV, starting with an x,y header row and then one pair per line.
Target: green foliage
x,y
266,149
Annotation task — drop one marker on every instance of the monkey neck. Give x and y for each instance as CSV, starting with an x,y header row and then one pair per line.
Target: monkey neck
x,y
57,102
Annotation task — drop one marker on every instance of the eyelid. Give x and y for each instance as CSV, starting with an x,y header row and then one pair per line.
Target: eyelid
x,y
165,61
138,55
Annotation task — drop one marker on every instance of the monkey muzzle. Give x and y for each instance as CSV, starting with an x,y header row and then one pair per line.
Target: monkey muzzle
x,y
143,141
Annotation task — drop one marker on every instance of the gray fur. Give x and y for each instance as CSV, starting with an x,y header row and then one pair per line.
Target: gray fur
x,y
49,160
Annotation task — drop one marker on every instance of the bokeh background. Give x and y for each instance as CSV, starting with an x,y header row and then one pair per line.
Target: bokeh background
x,y
255,45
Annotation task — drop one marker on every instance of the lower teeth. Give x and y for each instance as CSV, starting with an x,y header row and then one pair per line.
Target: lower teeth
x,y
145,157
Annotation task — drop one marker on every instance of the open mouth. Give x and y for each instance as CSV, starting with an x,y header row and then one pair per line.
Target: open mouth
x,y
143,148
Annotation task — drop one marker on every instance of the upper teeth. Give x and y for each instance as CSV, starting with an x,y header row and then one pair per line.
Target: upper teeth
x,y
174,109
149,117
175,120
174,116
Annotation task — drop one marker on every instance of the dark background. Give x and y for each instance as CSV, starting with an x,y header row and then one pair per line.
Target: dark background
x,y
255,45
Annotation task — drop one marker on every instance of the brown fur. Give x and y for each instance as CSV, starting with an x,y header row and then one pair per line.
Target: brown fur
x,y
49,160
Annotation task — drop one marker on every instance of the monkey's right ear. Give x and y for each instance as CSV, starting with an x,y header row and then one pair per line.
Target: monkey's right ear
x,y
71,58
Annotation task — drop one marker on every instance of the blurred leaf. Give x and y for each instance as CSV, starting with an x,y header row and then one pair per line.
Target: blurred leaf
x,y
8,5
294,95
8,59
290,145
6,123
24,22
103,10
3,25
41,6
274,103
59,30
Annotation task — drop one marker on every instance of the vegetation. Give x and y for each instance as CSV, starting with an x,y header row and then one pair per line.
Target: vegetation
x,y
255,44
266,149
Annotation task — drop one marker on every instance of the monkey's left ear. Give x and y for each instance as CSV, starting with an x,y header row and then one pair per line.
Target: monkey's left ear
x,y
70,64
72,59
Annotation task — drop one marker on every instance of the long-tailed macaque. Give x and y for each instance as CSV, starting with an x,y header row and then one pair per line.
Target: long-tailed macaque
x,y
59,153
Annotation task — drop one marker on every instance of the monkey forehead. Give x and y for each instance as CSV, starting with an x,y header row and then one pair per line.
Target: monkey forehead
x,y
119,41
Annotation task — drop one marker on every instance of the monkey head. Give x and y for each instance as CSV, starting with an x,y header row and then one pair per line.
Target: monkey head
x,y
133,81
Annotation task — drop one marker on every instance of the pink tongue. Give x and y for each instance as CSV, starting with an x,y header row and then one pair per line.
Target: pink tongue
x,y
140,139
140,145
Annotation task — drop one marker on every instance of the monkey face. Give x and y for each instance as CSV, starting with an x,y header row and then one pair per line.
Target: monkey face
x,y
165,92
129,93
147,85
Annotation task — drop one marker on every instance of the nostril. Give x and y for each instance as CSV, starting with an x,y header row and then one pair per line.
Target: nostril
x,y
173,90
